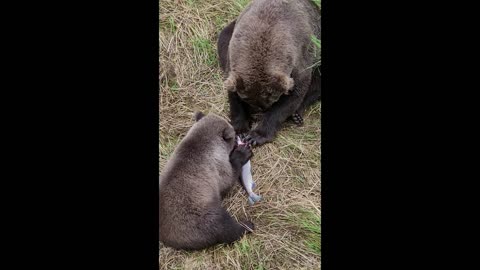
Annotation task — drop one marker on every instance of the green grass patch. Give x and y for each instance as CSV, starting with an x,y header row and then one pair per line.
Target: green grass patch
x,y
317,46
219,23
310,222
169,25
173,86
204,48
243,246
172,26
249,251
316,41
260,267
241,4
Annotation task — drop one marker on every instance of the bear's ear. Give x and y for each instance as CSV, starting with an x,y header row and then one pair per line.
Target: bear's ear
x,y
198,115
285,82
228,134
233,82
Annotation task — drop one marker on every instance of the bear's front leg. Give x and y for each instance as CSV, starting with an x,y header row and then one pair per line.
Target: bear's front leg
x,y
239,115
274,117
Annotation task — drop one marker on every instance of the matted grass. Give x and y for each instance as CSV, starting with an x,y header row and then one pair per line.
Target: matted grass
x,y
287,171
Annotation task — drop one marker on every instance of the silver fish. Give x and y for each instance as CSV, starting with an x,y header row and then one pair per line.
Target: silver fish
x,y
247,180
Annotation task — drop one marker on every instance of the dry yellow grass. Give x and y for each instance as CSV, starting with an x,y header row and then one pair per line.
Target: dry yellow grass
x,y
287,171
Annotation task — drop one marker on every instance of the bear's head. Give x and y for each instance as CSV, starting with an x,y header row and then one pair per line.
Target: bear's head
x,y
259,90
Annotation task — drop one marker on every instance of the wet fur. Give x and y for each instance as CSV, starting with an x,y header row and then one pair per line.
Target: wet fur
x,y
202,169
270,37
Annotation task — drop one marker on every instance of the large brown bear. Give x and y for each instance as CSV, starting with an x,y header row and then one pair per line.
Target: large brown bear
x,y
267,55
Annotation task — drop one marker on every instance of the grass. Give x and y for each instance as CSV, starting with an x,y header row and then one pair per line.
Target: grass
x,y
316,42
287,171
203,46
241,4
317,46
311,224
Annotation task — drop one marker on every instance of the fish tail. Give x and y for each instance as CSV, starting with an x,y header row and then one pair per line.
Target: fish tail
x,y
254,198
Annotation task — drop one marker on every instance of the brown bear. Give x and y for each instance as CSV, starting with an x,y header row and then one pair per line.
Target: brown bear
x,y
201,170
267,55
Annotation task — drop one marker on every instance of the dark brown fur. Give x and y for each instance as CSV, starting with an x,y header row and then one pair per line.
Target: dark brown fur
x,y
202,169
267,55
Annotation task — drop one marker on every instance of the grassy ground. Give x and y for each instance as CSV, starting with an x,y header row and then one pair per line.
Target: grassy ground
x,y
287,171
